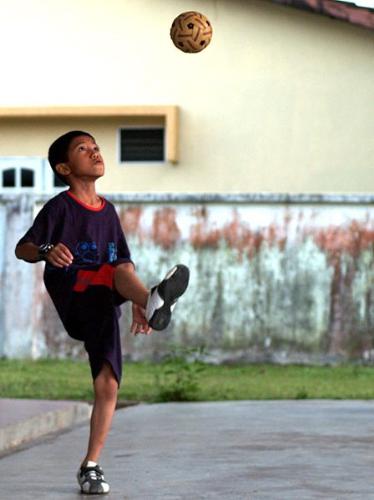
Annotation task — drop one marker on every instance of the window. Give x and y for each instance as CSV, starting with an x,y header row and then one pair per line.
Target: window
x,y
9,177
142,144
27,177
19,174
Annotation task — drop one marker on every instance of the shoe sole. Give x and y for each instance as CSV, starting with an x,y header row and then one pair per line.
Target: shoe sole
x,y
170,289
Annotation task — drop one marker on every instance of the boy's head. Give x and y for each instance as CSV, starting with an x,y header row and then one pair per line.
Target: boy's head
x,y
67,153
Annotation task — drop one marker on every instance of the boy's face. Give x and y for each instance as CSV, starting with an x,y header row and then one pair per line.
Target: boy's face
x,y
84,160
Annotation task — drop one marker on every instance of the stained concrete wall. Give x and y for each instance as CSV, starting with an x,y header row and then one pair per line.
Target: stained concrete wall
x,y
273,277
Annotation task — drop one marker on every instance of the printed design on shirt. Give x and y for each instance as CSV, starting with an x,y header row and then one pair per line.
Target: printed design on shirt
x,y
103,276
112,251
86,253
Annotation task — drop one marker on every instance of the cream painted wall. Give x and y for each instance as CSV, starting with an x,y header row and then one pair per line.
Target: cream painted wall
x,y
281,100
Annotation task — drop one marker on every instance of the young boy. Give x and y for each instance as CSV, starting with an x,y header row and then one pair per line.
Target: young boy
x,y
88,275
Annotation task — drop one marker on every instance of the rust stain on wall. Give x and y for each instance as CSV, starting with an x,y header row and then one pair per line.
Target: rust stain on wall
x,y
236,233
130,218
336,240
343,247
165,230
201,235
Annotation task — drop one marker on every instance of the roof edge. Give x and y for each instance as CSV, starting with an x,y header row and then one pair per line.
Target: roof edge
x,y
345,11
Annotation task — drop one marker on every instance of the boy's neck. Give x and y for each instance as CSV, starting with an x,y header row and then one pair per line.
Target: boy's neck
x,y
86,193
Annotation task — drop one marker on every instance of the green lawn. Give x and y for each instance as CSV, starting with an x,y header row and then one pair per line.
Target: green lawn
x,y
56,379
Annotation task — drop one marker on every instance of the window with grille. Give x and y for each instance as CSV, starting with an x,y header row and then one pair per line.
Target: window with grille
x,y
142,144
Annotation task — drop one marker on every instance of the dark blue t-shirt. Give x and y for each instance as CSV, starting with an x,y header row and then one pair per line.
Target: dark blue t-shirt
x,y
94,236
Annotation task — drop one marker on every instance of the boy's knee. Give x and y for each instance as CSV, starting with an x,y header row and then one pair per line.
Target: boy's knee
x,y
106,383
121,273
125,267
106,390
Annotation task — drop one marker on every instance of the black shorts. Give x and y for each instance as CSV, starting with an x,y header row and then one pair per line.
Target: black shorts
x,y
93,317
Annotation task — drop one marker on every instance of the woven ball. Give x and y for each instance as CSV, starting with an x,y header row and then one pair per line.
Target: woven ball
x,y
191,32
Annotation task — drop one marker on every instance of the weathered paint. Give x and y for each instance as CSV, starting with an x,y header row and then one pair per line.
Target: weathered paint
x,y
280,281
17,301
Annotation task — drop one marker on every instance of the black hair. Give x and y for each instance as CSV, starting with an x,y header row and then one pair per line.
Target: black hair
x,y
58,150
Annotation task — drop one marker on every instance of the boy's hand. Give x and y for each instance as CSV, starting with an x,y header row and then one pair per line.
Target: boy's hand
x,y
139,323
60,256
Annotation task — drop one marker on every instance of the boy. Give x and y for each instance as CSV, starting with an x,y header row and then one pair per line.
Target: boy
x,y
88,274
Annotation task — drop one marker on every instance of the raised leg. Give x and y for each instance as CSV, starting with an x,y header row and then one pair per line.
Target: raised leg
x,y
158,303
127,284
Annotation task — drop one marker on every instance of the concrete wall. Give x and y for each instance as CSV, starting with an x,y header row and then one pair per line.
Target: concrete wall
x,y
275,277
280,101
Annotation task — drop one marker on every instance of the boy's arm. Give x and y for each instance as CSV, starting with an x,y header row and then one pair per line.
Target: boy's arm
x,y
59,255
28,252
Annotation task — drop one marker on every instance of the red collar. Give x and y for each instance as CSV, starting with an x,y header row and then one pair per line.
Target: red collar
x,y
85,205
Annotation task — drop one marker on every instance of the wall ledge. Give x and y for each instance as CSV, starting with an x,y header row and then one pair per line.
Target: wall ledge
x,y
232,198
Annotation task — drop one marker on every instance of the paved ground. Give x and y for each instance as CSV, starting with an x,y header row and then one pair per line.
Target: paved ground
x,y
273,450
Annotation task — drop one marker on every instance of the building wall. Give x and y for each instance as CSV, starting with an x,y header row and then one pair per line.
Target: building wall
x,y
275,278
280,101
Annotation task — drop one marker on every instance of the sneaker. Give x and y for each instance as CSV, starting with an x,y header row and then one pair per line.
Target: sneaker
x,y
162,297
91,479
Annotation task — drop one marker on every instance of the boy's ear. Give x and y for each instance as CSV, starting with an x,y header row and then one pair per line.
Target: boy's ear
x,y
63,169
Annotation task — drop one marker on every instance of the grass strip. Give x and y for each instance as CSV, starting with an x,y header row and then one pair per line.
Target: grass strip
x,y
68,379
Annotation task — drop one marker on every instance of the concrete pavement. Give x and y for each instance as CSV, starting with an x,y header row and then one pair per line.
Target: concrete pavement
x,y
260,450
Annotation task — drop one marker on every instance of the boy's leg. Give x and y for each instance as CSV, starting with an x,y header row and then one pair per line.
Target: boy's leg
x,y
157,302
127,284
105,388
